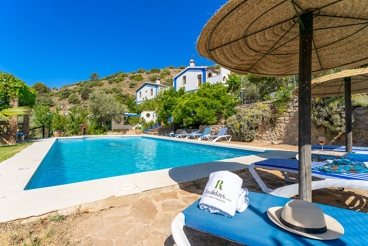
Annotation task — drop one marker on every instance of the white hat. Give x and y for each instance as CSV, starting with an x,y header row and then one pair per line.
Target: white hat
x,y
306,219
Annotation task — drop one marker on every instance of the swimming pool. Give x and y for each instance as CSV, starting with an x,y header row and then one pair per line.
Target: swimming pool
x,y
82,159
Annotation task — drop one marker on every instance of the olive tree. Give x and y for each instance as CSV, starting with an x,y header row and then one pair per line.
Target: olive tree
x,y
104,107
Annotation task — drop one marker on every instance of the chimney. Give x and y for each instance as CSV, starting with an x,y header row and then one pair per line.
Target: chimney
x,y
192,63
158,81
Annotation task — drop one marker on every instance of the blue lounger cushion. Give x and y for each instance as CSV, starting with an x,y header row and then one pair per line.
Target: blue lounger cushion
x,y
290,165
253,227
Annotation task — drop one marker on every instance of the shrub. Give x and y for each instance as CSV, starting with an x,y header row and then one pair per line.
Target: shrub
x,y
171,67
44,100
244,124
169,82
359,100
59,122
132,84
141,70
182,67
329,113
85,93
153,78
73,98
138,77
64,93
116,90
155,70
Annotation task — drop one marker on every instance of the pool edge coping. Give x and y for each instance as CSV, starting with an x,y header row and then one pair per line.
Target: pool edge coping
x,y
121,186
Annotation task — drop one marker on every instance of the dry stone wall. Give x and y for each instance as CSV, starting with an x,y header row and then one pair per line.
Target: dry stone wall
x,y
285,131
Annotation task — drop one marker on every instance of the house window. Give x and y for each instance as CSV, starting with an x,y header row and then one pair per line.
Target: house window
x,y
209,75
199,80
184,80
224,78
140,94
151,92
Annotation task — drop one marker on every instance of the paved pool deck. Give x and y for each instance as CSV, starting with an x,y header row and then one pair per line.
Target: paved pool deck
x,y
15,173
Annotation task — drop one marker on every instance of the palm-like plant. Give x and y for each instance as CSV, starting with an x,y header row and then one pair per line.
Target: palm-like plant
x,y
14,111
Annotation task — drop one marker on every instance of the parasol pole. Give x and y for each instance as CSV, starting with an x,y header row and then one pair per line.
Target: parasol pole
x,y
305,74
348,124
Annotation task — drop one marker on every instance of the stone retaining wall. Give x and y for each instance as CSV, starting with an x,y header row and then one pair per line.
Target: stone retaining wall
x,y
286,129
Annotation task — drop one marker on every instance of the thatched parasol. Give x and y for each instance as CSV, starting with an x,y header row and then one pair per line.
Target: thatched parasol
x,y
344,83
283,37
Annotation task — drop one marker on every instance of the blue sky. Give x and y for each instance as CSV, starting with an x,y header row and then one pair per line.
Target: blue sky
x,y
63,42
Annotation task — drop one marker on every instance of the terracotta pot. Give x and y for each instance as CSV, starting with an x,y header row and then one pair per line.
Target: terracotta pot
x,y
138,132
57,133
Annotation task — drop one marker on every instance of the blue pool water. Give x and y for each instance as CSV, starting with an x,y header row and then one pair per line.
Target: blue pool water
x,y
76,160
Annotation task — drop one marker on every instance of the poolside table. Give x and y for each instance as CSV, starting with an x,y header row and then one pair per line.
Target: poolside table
x,y
253,227
328,153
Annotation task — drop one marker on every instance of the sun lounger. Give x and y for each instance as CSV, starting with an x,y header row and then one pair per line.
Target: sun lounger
x,y
286,166
221,135
184,135
197,135
253,227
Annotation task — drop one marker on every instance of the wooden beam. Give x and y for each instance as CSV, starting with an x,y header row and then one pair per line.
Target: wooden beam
x,y
304,119
348,118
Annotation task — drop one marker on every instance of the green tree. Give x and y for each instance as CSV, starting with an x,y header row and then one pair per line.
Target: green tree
x,y
104,107
77,115
267,85
234,83
205,106
94,76
41,88
167,100
59,122
42,115
14,88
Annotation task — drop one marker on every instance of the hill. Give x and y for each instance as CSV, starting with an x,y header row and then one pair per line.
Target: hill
x,y
121,83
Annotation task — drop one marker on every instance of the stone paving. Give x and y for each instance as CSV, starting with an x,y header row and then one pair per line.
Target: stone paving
x,y
147,221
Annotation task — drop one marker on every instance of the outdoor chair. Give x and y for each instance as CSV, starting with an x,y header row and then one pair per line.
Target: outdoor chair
x,y
286,166
197,135
215,137
172,134
253,226
184,135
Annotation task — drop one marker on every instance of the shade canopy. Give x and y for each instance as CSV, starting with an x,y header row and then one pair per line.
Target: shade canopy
x,y
333,84
262,37
283,37
343,83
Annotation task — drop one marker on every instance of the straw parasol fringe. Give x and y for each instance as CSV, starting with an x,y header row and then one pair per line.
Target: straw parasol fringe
x,y
254,33
333,84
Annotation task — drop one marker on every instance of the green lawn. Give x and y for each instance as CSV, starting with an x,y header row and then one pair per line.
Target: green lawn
x,y
8,151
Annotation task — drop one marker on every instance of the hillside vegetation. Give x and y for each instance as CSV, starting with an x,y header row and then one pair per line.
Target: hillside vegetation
x,y
120,84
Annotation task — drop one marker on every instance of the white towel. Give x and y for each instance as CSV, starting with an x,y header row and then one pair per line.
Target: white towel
x,y
243,201
222,193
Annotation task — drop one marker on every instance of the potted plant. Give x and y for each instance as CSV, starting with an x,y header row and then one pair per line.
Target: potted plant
x,y
138,130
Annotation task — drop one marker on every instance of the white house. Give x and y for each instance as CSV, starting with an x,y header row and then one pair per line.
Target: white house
x,y
148,91
193,77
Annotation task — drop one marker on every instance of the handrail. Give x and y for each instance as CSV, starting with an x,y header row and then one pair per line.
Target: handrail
x,y
36,127
43,130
